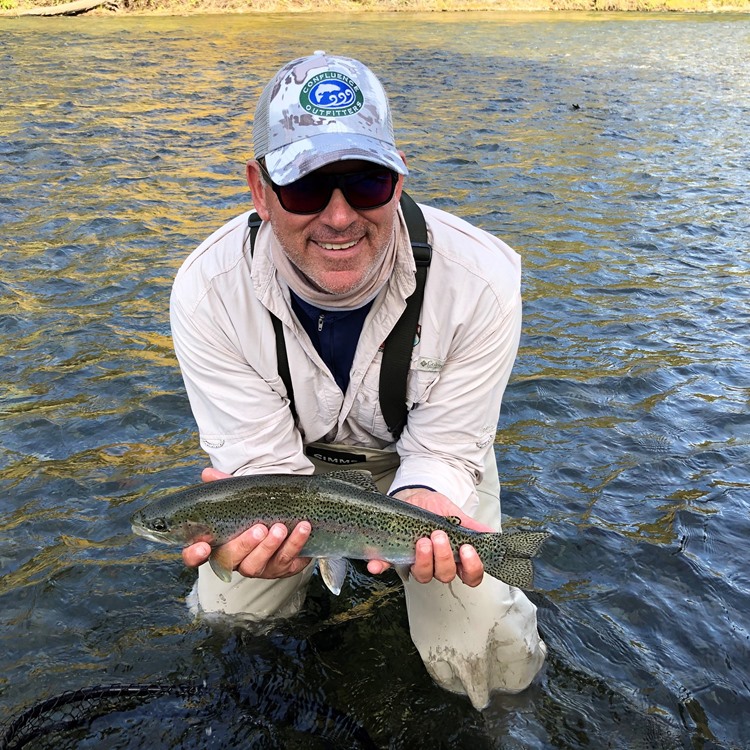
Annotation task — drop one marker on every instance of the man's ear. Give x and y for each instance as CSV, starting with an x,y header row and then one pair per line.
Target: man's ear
x,y
400,185
399,189
257,186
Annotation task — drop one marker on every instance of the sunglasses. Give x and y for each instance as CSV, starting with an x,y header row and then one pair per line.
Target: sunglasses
x,y
370,188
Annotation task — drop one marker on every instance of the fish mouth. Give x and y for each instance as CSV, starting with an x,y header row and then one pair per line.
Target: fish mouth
x,y
150,534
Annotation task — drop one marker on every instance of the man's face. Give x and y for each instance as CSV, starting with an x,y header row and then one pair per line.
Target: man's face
x,y
338,247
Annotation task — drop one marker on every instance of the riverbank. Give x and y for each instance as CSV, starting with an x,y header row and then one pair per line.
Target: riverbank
x,y
190,7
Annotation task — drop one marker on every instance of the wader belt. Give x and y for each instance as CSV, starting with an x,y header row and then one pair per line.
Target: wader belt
x,y
398,347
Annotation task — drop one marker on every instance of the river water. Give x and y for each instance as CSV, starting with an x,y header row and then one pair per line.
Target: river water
x,y
611,151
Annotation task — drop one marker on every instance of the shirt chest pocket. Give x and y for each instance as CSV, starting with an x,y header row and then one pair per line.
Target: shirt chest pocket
x,y
423,374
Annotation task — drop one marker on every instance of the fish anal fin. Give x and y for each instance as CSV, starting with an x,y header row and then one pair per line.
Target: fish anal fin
x,y
333,571
221,563
403,571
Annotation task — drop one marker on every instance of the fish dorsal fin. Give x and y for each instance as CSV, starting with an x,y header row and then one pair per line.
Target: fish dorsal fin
x,y
455,520
358,477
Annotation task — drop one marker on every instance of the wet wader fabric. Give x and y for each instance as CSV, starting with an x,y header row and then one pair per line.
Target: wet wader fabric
x,y
472,640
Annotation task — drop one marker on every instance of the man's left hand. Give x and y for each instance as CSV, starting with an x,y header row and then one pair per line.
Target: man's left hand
x,y
434,555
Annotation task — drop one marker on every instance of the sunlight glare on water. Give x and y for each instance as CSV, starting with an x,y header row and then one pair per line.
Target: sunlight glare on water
x,y
610,151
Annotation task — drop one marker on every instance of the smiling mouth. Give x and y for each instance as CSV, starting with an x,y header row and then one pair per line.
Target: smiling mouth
x,y
337,245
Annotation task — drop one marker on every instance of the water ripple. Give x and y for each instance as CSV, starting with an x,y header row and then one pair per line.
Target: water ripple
x,y
609,150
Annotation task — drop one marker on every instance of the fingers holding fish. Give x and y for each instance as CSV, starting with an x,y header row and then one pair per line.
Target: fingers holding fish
x,y
444,561
209,474
231,553
435,559
196,554
376,567
259,552
273,552
470,567
435,502
423,568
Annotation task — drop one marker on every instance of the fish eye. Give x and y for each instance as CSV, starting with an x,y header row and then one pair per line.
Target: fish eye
x,y
159,524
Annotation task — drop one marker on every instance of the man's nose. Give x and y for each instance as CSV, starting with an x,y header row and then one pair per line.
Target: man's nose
x,y
338,213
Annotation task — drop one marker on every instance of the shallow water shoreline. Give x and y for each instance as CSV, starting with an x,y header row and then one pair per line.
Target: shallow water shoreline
x,y
210,7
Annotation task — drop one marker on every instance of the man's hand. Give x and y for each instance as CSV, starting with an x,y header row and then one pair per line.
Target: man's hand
x,y
259,552
434,556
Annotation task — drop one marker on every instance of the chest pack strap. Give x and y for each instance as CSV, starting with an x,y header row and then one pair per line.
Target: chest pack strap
x,y
398,347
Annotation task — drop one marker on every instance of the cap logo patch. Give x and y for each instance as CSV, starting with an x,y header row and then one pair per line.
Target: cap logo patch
x,y
332,94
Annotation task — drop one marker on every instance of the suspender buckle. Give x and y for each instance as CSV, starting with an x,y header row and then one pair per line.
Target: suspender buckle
x,y
422,253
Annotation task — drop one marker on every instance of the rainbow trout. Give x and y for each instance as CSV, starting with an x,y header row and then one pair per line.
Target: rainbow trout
x,y
349,516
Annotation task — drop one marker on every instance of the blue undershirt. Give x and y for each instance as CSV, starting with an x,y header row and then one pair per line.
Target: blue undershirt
x,y
334,334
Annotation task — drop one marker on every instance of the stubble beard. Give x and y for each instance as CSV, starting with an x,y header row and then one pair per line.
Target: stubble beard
x,y
314,276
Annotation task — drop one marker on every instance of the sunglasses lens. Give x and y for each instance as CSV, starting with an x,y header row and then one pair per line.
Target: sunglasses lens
x,y
307,195
370,189
362,190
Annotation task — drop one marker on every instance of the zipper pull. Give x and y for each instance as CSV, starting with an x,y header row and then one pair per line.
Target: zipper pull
x,y
321,318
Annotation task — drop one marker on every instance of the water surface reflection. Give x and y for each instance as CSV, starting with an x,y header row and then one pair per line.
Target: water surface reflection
x,y
610,150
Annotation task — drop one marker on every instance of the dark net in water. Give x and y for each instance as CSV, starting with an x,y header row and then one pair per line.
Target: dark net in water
x,y
178,716
48,721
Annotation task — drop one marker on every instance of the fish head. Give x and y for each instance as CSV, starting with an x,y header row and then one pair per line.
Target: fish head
x,y
167,529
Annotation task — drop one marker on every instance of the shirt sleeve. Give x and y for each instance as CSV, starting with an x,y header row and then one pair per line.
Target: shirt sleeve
x,y
244,421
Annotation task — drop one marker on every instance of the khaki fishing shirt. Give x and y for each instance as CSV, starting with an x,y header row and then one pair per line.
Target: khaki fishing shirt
x,y
462,359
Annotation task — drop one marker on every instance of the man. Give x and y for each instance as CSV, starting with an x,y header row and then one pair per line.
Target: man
x,y
332,261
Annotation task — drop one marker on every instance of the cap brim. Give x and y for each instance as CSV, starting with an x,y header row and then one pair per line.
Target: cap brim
x,y
289,163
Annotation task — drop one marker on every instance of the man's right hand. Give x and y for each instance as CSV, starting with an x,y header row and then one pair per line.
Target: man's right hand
x,y
258,552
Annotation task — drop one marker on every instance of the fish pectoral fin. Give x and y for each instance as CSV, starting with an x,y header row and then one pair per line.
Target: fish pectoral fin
x,y
333,572
220,561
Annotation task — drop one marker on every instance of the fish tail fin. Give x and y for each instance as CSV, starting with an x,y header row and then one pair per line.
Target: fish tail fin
x,y
524,543
515,571
508,556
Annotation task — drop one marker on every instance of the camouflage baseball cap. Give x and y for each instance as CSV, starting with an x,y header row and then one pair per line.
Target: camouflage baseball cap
x,y
321,109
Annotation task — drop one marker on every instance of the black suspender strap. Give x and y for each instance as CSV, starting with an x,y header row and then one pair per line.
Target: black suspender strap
x,y
254,222
398,347
283,362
